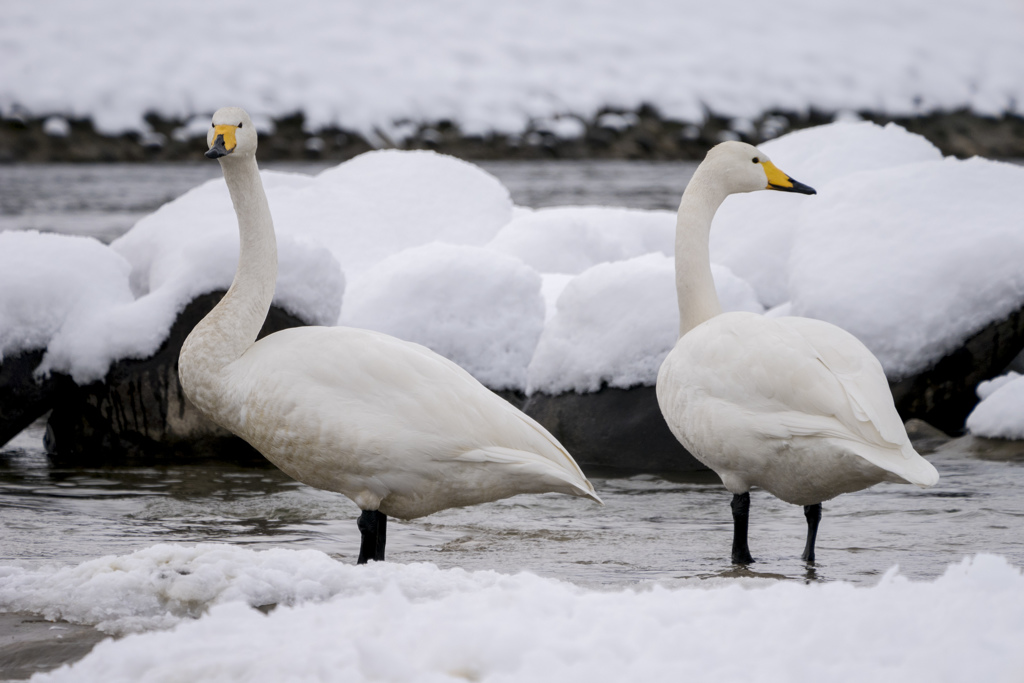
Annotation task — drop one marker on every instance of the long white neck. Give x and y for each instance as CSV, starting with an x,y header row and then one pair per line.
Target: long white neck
x,y
695,287
231,327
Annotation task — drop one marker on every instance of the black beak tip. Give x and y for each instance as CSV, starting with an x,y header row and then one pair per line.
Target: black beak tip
x,y
214,153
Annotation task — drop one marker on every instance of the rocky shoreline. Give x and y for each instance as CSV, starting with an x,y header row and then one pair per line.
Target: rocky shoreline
x,y
641,134
139,415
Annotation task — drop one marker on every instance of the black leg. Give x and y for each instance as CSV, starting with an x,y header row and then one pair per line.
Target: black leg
x,y
813,515
373,526
740,517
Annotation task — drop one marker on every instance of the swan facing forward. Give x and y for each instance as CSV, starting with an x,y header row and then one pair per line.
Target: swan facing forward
x,y
392,425
796,406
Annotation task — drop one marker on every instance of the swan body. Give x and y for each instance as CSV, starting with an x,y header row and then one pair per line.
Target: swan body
x,y
798,407
397,428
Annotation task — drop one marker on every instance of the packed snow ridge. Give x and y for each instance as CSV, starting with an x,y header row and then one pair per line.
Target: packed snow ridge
x,y
189,615
503,66
909,251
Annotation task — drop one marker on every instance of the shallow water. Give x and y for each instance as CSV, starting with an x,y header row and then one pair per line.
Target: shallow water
x,y
651,528
105,200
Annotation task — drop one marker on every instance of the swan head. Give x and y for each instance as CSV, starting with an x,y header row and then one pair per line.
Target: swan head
x,y
231,133
740,167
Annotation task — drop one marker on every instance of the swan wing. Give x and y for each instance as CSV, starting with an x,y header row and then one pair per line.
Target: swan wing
x,y
797,377
392,416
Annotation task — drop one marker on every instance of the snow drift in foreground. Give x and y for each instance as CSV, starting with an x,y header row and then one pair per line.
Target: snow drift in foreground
x,y
499,66
419,623
1000,415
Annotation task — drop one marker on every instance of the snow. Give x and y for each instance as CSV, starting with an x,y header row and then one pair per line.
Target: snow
x,y
477,307
1000,415
753,233
47,280
616,322
499,66
912,259
910,252
571,239
188,612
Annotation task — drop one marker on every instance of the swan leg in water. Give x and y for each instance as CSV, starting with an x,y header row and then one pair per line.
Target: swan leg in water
x,y
373,526
398,429
740,519
797,407
813,515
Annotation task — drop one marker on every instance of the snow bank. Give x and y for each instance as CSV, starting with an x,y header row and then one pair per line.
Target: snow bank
x,y
416,622
753,233
573,238
48,281
616,322
912,259
372,67
477,307
1000,415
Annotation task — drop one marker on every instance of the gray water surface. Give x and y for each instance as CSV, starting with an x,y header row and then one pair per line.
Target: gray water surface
x,y
105,200
651,528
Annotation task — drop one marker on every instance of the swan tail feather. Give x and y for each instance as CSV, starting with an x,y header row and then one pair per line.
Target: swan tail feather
x,y
578,485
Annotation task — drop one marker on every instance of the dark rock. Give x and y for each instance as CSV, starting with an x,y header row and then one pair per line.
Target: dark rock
x,y
944,395
618,429
30,644
649,136
139,413
23,398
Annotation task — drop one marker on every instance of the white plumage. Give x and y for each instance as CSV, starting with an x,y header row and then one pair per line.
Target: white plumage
x,y
392,425
795,406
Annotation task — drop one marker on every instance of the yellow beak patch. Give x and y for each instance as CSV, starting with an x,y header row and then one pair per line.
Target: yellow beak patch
x,y
229,135
776,178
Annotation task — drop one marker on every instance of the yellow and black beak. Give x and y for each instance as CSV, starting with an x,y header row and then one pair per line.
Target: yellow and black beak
x,y
223,142
777,180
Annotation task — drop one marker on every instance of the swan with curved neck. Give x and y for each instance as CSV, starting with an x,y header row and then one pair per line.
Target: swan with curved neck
x,y
795,406
397,428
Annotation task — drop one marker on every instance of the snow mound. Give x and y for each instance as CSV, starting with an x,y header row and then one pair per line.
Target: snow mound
x,y
616,322
753,233
51,281
1000,415
912,259
573,238
477,307
340,622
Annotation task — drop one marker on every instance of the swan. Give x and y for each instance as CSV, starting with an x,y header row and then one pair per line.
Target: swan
x,y
795,406
400,430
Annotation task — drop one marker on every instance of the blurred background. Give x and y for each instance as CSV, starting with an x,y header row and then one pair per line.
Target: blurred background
x,y
120,80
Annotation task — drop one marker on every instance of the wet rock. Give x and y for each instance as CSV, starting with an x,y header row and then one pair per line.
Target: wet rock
x,y
139,412
30,644
23,397
609,134
613,429
925,438
944,394
1002,450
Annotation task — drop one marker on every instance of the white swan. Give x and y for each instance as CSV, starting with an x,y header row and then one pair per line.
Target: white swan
x,y
392,425
795,406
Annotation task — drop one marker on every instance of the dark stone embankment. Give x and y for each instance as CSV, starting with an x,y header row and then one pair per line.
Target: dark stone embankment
x,y
643,134
139,414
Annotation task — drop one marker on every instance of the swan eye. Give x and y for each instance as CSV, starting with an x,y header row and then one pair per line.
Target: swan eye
x,y
239,125
756,160
213,125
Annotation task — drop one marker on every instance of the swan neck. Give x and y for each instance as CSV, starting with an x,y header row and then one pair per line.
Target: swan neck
x,y
695,286
232,326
